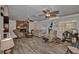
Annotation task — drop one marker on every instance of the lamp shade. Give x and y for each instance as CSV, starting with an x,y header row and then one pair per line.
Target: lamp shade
x,y
7,43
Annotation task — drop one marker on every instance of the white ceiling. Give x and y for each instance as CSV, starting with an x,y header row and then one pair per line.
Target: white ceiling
x,y
23,11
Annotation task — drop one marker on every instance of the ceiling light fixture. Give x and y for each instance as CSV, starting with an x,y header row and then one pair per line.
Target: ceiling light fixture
x,y
54,18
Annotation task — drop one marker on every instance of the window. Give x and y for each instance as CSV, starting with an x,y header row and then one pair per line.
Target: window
x,y
67,25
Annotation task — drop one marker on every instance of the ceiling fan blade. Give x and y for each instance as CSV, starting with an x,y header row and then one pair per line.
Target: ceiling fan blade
x,y
44,11
55,12
41,15
53,15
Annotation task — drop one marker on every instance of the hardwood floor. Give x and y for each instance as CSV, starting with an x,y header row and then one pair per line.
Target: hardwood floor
x,y
36,45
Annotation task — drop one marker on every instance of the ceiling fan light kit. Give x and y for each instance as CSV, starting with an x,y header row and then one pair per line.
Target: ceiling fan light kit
x,y
54,18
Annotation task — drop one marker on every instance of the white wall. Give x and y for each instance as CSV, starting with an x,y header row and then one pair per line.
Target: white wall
x,y
12,26
1,27
40,25
56,22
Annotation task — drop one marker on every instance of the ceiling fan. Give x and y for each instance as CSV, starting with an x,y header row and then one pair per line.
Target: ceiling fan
x,y
47,13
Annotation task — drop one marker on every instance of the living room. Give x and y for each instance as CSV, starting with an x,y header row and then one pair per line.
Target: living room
x,y
39,29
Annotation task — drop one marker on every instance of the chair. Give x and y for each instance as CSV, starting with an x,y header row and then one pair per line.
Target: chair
x,y
18,33
6,45
72,50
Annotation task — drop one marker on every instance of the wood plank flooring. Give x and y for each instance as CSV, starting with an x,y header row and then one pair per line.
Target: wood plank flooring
x,y
36,45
